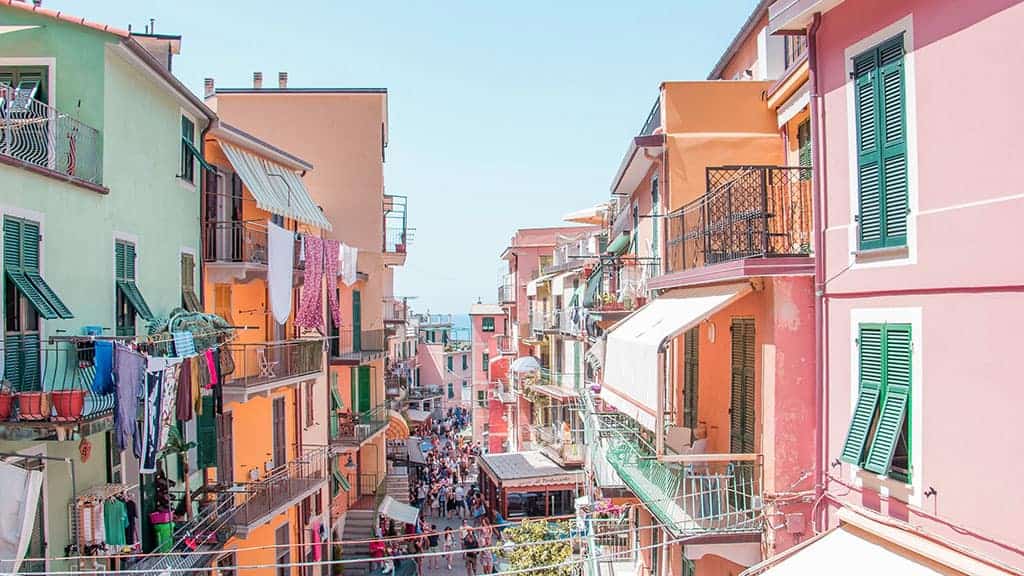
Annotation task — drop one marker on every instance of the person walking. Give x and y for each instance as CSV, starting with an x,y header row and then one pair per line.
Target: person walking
x,y
470,546
433,544
448,545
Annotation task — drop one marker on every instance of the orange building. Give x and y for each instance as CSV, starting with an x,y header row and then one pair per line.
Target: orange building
x,y
343,132
269,460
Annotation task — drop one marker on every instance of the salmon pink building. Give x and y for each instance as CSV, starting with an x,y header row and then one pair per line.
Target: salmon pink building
x,y
488,325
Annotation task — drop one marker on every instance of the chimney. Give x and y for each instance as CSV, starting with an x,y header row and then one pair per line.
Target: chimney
x,y
208,87
257,80
282,80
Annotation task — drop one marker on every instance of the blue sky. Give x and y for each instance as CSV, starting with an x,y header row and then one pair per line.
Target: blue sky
x,y
503,114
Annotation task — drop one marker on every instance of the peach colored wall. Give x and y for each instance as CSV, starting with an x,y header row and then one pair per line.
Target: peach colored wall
x,y
746,55
711,565
965,283
717,106
254,436
690,155
430,358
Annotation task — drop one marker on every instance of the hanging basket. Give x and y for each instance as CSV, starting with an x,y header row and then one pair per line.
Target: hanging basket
x,y
33,405
68,404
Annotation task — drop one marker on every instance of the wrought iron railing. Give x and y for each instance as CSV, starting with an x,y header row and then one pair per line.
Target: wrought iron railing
x,y
365,491
196,542
240,241
53,383
718,493
351,344
270,362
653,121
748,212
282,486
396,231
355,428
39,134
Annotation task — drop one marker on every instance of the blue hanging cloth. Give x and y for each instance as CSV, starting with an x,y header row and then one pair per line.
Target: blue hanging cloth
x,y
103,381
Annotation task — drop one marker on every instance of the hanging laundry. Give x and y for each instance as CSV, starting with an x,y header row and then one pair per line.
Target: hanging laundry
x,y
349,261
184,344
331,255
115,520
129,371
194,386
211,368
310,316
17,514
99,528
280,267
148,434
103,361
131,515
184,405
169,369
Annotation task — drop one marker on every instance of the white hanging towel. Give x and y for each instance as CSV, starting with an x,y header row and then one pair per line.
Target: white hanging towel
x,y
349,257
281,252
17,514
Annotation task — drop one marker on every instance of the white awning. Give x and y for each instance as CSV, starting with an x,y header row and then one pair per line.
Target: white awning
x,y
398,511
275,188
632,345
531,286
9,29
832,553
592,215
558,282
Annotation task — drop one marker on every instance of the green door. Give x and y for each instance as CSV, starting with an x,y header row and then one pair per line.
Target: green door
x,y
357,321
577,369
361,389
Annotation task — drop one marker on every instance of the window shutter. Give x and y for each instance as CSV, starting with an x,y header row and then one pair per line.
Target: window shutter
x,y
868,151
206,432
897,370
21,362
29,245
870,358
129,261
742,409
119,251
279,446
691,374
803,138
892,99
12,243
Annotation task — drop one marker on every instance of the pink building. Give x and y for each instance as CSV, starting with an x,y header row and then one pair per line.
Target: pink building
x,y
444,376
488,326
915,119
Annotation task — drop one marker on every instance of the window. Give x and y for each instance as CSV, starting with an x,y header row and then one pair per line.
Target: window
x,y
487,363
113,460
465,383
742,406
803,141
226,564
189,299
280,452
481,399
30,79
488,324
129,298
880,107
880,422
225,445
636,228
655,211
795,47
188,149
465,361
310,420
451,363
27,298
691,374
282,538
451,390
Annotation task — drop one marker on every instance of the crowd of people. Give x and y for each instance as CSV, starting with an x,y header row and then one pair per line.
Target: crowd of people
x,y
442,489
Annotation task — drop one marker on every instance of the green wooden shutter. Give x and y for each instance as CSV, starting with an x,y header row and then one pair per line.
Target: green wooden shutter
x,y
119,251
28,376
21,260
206,432
129,261
892,113
868,151
803,138
29,245
897,376
742,398
364,389
335,424
12,243
357,321
691,374
870,360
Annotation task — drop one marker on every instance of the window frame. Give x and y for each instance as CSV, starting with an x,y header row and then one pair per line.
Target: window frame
x,y
187,160
487,324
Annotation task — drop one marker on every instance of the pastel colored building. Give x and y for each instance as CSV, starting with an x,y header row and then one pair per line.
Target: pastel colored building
x,y
99,202
490,416
917,398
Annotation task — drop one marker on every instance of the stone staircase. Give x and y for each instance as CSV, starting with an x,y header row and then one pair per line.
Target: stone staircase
x,y
397,484
358,526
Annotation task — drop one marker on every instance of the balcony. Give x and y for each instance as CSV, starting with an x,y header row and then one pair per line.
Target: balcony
x,y
570,321
653,121
712,495
395,387
350,347
396,231
53,398
565,449
350,431
202,538
505,345
284,487
506,290
418,393
267,365
38,136
748,212
394,311
236,250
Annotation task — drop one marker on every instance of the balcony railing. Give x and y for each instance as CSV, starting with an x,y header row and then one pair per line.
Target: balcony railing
x,y
394,311
570,321
504,344
713,494
282,487
506,290
565,448
358,345
425,392
39,134
653,121
59,390
240,241
396,232
748,212
270,363
196,542
350,430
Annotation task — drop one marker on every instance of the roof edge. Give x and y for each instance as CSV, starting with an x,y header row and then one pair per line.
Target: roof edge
x,y
760,10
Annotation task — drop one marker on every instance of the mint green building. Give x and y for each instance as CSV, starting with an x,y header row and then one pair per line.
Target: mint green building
x,y
100,207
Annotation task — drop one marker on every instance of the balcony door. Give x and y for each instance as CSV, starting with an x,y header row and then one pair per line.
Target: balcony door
x,y
357,321
280,442
742,401
361,389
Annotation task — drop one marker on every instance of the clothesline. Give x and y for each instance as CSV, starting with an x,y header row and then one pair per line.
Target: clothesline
x,y
105,491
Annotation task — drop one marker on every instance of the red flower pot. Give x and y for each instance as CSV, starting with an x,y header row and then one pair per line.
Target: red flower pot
x,y
68,404
6,401
33,405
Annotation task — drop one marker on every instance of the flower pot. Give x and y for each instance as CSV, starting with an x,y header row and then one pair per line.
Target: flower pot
x,y
68,404
160,517
33,405
6,401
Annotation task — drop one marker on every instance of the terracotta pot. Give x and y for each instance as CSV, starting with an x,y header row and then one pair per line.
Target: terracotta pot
x,y
6,400
68,404
33,405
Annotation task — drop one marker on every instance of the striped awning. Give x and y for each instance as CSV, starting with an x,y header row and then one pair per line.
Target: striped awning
x,y
398,429
275,188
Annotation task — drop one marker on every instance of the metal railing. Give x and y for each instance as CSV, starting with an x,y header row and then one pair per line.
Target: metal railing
x,y
60,389
240,241
355,428
394,310
367,485
653,121
396,232
565,448
270,362
718,493
39,134
425,392
504,344
350,344
506,290
202,537
282,486
570,321
748,212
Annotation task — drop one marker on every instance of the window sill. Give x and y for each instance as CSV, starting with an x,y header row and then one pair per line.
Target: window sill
x,y
10,161
885,485
190,186
881,254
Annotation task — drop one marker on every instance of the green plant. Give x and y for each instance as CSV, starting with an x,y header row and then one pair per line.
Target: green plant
x,y
534,551
176,445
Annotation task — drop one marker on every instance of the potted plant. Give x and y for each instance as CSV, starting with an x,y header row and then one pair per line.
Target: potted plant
x,y
33,405
6,400
68,404
176,445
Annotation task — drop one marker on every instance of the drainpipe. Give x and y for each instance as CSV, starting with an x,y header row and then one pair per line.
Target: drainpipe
x,y
820,318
